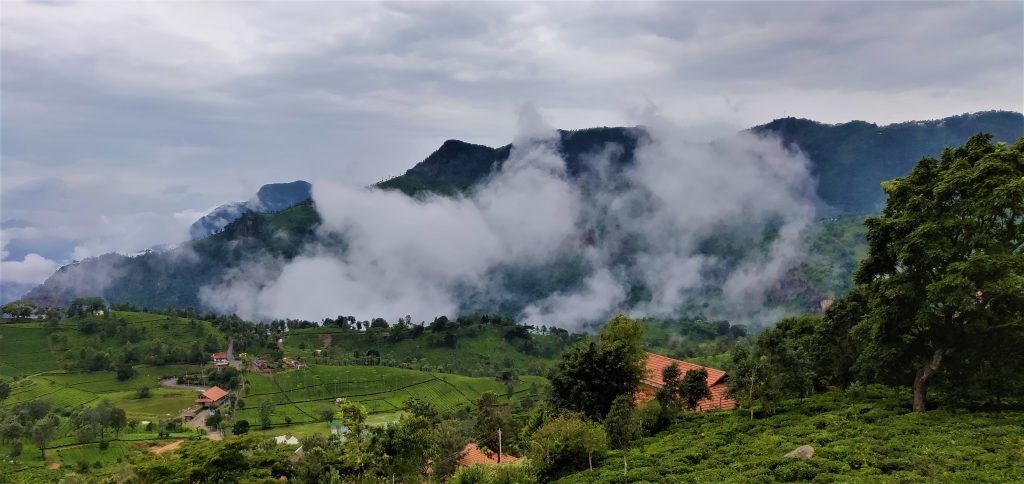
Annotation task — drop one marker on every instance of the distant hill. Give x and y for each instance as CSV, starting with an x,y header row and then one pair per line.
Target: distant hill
x,y
270,198
173,278
850,160
456,166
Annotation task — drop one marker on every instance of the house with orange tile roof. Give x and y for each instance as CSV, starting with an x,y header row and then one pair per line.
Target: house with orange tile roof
x,y
472,454
719,400
213,397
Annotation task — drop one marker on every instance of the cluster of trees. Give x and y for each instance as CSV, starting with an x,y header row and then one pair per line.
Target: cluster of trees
x,y
18,309
39,422
33,420
109,342
938,302
90,423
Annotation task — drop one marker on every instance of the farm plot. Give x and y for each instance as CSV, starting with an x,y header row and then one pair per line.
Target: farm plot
x,y
24,350
107,382
301,396
43,387
91,454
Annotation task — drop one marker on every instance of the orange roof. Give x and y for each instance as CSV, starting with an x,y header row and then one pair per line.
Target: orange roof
x,y
213,394
219,356
657,363
719,399
473,455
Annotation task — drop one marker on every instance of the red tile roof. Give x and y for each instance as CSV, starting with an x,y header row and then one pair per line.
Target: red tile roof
x,y
219,356
473,455
213,394
657,363
720,398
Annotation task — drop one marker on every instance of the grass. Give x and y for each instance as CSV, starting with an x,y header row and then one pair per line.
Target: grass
x,y
299,395
870,438
481,350
24,350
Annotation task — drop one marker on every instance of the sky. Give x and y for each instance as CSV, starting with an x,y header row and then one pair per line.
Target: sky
x,y
124,122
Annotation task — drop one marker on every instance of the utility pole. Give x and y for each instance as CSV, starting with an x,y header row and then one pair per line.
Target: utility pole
x,y
499,445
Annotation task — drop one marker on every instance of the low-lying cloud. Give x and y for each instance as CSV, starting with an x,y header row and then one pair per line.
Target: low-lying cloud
x,y
646,238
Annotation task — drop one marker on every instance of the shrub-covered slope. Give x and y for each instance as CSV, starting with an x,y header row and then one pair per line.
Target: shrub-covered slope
x,y
870,436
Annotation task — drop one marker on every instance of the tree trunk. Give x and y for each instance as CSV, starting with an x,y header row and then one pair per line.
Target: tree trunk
x,y
625,465
921,381
590,460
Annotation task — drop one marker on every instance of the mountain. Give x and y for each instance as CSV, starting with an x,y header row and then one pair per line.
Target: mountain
x,y
850,160
273,197
457,166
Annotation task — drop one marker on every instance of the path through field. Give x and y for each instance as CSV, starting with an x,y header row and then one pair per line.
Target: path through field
x,y
199,422
173,383
168,448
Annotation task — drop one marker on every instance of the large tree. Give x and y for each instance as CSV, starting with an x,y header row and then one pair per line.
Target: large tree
x,y
19,309
592,373
943,281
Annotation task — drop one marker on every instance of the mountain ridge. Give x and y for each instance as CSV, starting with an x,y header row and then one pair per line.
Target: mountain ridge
x,y
456,167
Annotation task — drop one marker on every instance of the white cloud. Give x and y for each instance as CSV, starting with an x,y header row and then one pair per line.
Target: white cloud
x,y
33,269
643,224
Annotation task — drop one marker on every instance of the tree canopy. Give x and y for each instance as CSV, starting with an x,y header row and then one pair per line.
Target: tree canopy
x,y
591,374
942,287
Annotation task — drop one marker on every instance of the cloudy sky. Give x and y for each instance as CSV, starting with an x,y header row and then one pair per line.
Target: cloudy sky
x,y
123,122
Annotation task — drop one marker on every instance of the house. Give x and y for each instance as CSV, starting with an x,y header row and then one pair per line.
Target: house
x,y
472,454
219,359
292,362
717,379
286,440
213,397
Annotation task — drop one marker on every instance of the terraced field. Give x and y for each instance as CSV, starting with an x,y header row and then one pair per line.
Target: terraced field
x,y
24,350
300,395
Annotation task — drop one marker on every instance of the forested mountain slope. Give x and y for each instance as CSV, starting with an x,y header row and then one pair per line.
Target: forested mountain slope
x,y
849,161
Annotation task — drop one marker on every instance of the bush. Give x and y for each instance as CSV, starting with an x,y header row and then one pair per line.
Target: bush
x,y
240,427
143,392
494,474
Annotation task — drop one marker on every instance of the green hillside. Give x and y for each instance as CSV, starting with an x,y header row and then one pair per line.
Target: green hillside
x,y
862,435
849,160
302,396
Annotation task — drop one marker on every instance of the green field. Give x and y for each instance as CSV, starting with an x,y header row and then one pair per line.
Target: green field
x,y
300,394
24,350
40,360
481,350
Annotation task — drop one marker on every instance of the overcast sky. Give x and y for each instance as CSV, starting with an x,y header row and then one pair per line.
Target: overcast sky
x,y
122,122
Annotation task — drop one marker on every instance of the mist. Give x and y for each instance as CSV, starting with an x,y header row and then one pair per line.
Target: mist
x,y
639,239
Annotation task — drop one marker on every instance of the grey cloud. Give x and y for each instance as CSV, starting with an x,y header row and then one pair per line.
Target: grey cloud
x,y
224,97
419,256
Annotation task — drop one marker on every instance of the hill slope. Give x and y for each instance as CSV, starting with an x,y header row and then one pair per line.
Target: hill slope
x,y
871,438
849,160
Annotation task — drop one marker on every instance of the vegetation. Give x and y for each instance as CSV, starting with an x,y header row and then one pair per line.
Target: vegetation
x,y
593,373
935,311
865,434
